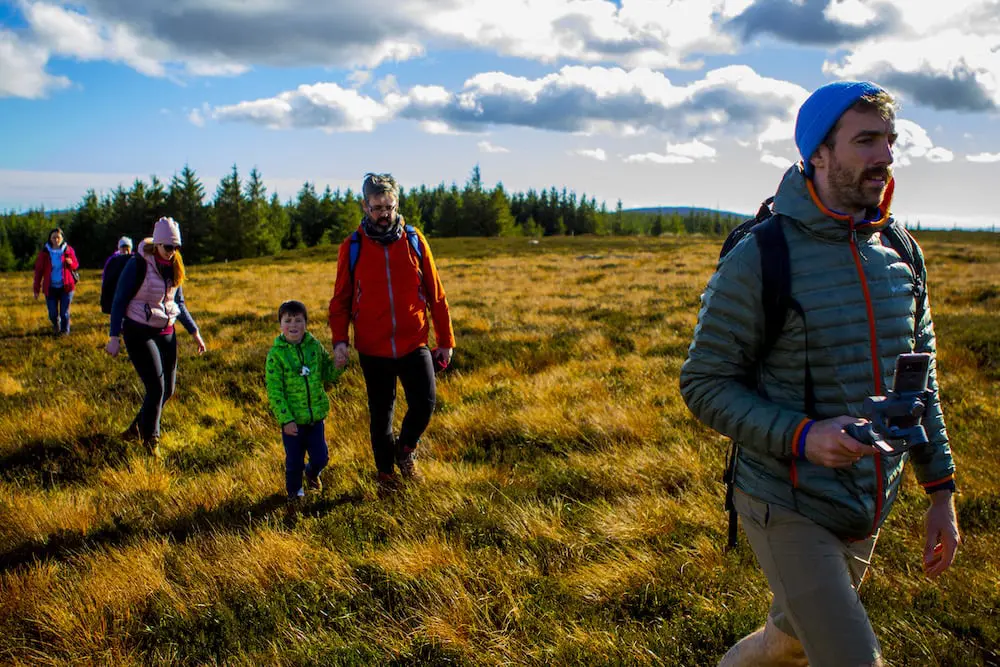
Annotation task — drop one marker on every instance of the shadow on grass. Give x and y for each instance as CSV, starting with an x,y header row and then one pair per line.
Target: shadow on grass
x,y
235,515
49,463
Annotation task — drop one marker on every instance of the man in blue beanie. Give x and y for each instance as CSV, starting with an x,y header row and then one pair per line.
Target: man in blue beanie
x,y
810,497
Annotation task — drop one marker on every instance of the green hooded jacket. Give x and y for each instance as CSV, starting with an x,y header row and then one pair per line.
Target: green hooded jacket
x,y
295,377
859,300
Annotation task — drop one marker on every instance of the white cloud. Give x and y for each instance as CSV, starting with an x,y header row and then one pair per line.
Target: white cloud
x,y
598,100
692,149
196,118
776,161
487,147
938,154
387,85
946,70
22,69
658,158
913,142
359,77
983,157
734,101
592,153
224,37
849,12
322,105
683,153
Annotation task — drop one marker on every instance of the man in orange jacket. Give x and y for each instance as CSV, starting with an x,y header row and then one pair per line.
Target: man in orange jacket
x,y
386,283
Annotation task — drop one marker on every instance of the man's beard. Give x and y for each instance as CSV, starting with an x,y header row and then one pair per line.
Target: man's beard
x,y
851,191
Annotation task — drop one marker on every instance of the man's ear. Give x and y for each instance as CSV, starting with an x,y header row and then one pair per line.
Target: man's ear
x,y
820,157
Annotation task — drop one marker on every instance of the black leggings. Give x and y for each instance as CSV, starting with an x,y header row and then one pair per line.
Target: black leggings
x,y
154,356
416,372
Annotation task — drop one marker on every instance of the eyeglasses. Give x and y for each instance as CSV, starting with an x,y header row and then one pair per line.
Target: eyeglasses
x,y
170,247
382,209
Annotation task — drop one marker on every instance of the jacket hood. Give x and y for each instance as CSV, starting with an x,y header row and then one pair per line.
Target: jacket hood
x,y
62,246
796,198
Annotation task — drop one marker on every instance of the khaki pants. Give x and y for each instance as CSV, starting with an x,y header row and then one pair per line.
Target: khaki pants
x,y
814,577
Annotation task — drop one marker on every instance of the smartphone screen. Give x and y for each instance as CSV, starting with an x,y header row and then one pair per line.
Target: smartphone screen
x,y
912,371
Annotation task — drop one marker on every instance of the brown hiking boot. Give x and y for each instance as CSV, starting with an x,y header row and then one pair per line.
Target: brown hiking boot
x,y
387,482
132,433
152,445
407,463
314,484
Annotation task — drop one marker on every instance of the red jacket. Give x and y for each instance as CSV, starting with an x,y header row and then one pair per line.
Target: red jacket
x,y
43,269
389,299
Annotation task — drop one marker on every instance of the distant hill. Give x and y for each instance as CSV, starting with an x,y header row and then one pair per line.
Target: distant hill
x,y
684,210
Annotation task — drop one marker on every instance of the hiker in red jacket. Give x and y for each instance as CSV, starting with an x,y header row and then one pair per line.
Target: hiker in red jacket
x,y
54,276
386,282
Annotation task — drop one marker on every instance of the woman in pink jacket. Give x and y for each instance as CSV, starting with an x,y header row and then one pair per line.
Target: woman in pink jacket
x,y
148,300
54,276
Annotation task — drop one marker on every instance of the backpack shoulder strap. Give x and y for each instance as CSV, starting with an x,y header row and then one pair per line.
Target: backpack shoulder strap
x,y
908,249
776,279
735,236
414,239
354,252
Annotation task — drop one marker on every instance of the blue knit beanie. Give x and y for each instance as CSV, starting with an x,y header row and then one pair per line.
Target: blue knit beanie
x,y
822,110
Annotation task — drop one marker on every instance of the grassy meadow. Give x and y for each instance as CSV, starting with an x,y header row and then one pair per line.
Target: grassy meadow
x,y
571,511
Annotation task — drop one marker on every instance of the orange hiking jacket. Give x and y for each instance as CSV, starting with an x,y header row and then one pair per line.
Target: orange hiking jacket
x,y
389,299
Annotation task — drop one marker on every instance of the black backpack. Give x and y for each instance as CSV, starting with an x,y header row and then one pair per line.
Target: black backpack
x,y
776,297
112,272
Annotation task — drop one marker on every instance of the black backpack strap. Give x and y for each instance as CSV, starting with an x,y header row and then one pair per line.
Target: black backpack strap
x,y
735,236
900,240
776,280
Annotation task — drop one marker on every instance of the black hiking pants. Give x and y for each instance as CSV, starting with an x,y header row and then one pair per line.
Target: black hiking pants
x,y
416,373
154,356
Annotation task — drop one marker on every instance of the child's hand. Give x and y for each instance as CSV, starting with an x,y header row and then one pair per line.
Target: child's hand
x,y
291,428
340,355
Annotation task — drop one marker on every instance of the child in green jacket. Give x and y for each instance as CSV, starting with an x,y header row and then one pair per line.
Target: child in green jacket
x,y
296,370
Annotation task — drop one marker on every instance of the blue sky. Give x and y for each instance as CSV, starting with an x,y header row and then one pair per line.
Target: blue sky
x,y
652,102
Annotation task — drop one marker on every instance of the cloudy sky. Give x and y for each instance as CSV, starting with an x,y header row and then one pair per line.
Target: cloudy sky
x,y
654,102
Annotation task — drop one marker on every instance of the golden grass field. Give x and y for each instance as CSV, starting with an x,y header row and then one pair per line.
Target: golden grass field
x,y
571,512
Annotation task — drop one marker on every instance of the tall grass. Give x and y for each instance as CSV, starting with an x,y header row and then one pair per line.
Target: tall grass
x,y
571,511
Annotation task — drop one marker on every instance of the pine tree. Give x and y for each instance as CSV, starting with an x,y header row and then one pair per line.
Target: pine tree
x,y
449,217
229,210
498,221
308,215
410,209
156,200
89,228
258,238
186,203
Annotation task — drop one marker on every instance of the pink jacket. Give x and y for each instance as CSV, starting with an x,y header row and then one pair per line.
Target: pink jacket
x,y
153,305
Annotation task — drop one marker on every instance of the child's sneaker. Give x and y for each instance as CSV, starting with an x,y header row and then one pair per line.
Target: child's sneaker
x,y
314,483
407,463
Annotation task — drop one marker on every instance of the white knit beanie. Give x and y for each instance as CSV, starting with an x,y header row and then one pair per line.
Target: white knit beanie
x,y
166,230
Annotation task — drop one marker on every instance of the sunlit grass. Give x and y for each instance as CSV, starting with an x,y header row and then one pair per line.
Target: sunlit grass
x,y
571,511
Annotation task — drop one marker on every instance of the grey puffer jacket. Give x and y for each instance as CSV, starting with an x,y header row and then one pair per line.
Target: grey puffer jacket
x,y
859,299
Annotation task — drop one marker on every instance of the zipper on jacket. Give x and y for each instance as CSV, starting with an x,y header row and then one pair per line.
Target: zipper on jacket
x,y
392,306
305,378
876,366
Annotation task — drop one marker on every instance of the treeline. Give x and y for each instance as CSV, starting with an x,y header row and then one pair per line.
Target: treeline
x,y
242,220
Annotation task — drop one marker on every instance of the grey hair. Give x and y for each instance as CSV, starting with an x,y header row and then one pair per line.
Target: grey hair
x,y
379,184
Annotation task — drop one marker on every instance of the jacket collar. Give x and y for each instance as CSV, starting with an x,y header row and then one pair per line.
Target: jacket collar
x,y
797,199
281,341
